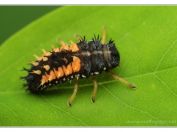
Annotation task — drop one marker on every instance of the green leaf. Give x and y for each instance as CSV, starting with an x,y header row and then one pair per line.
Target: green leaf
x,y
147,40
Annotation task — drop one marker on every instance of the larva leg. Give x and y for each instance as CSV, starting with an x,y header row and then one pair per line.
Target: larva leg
x,y
72,97
103,40
95,87
122,80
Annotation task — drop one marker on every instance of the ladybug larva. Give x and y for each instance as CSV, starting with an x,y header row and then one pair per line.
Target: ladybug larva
x,y
78,60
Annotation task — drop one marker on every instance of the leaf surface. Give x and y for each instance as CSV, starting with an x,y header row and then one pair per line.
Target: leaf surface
x,y
147,40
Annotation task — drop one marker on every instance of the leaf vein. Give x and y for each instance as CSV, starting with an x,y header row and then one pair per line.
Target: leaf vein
x,y
165,84
164,54
128,105
61,110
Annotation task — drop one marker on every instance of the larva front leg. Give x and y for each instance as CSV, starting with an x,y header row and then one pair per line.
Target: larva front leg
x,y
122,80
95,87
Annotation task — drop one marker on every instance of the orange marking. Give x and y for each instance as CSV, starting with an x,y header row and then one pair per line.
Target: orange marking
x,y
36,72
46,67
76,64
59,73
64,46
44,58
56,50
47,77
38,58
44,79
35,63
73,47
47,54
67,70
51,75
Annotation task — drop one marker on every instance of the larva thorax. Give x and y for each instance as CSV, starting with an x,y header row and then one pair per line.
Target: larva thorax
x,y
97,57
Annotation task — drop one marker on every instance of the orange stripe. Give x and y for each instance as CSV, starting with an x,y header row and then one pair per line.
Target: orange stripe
x,y
59,72
73,47
67,70
44,79
76,64
52,75
64,46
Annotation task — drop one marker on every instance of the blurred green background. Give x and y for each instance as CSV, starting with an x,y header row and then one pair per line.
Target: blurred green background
x,y
13,18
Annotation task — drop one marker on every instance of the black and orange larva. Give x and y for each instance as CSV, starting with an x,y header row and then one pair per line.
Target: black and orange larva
x,y
78,60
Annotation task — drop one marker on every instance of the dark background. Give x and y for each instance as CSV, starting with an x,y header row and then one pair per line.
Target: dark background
x,y
13,18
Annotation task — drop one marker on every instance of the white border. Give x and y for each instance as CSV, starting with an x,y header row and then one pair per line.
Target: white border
x,y
87,129
90,2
